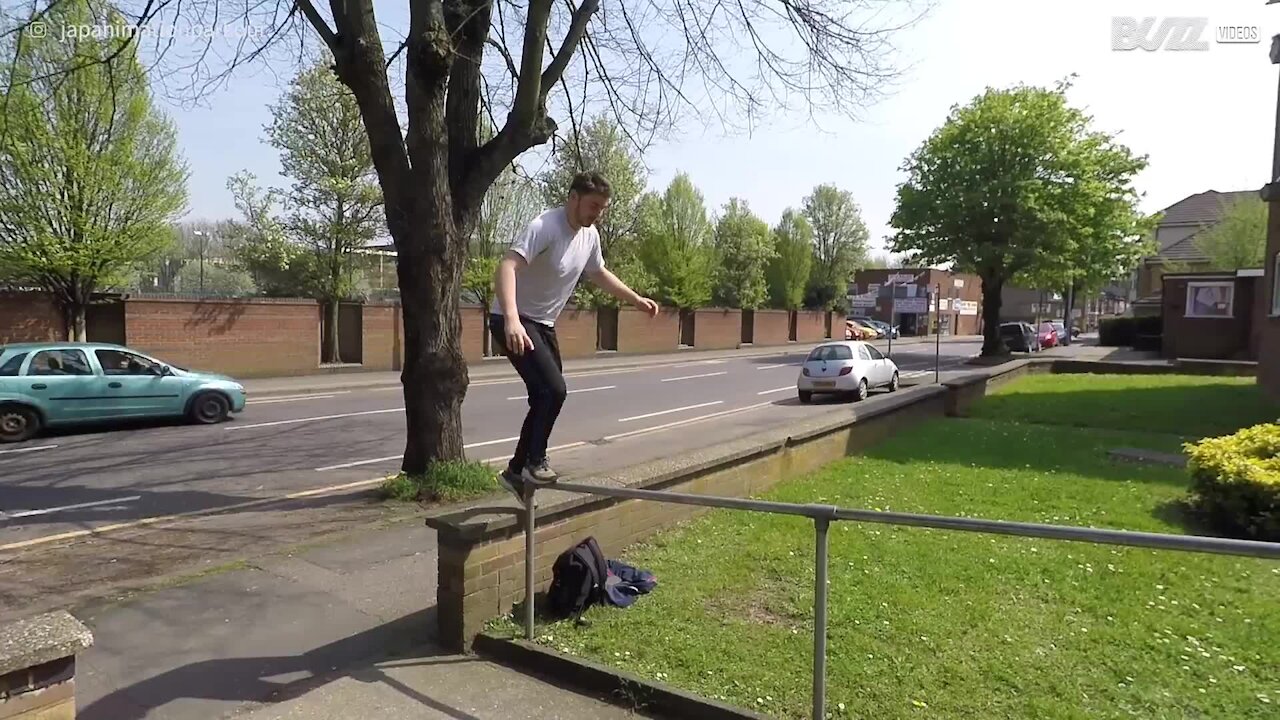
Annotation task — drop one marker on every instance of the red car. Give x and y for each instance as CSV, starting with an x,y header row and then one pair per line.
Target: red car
x,y
1048,335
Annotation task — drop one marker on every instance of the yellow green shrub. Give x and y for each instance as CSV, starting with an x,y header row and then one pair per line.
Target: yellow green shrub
x,y
1236,482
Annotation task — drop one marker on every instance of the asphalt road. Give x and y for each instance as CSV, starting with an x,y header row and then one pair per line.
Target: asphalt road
x,y
322,442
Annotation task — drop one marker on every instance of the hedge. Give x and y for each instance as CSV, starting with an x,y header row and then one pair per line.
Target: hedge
x,y
1131,331
1236,482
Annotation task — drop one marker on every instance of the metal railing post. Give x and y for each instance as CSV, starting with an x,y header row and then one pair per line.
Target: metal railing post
x,y
821,525
528,560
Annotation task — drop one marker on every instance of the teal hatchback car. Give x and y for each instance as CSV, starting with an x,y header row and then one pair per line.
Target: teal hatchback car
x,y
60,384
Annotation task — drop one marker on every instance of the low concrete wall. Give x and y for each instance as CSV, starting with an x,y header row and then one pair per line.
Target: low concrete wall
x,y
38,667
481,563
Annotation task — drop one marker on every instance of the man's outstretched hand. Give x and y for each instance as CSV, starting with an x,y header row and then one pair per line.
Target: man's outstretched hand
x,y
648,306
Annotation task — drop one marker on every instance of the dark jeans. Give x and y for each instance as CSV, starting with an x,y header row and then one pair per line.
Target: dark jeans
x,y
543,375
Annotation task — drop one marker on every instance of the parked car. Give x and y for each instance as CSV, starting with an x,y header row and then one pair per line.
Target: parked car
x,y
883,327
854,330
45,385
850,368
1048,335
1020,337
1061,329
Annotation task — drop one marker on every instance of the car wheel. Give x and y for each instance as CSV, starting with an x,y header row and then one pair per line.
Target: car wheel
x,y
18,423
861,392
894,384
805,396
209,408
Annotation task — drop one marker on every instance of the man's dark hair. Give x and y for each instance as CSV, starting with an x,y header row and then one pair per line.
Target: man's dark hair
x,y
590,183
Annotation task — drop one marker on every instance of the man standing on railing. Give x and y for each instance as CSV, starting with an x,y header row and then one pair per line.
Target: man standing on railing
x,y
534,281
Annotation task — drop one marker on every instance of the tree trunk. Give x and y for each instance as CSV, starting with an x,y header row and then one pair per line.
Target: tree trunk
x,y
1066,313
332,353
435,372
77,327
992,343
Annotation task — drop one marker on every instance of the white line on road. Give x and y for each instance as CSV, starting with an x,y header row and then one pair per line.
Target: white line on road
x,y
313,419
699,362
582,390
689,421
672,410
389,458
291,398
776,390
77,506
557,448
691,377
27,450
771,367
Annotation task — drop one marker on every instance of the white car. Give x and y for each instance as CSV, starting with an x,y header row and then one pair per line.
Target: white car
x,y
850,368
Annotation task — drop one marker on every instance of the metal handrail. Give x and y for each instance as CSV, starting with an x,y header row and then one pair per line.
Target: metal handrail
x,y
823,515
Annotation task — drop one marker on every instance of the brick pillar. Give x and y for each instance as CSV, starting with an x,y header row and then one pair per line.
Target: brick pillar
x,y
38,667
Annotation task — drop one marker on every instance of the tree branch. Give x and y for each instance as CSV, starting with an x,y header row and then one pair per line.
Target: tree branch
x,y
322,28
577,29
511,64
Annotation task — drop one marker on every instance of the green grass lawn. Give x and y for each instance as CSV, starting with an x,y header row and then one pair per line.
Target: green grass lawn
x,y
942,624
1185,405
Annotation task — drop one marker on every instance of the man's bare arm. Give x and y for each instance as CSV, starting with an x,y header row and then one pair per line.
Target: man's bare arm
x,y
610,283
504,280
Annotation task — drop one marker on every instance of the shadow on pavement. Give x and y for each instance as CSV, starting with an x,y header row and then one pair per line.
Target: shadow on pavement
x,y
249,679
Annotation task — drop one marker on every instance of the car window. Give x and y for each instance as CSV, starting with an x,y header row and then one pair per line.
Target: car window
x,y
875,354
831,352
119,362
59,362
862,352
11,366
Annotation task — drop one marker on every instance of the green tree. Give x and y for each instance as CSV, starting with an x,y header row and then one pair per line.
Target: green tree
x,y
839,244
335,202
92,177
1239,238
676,243
601,146
744,248
1014,183
508,207
788,271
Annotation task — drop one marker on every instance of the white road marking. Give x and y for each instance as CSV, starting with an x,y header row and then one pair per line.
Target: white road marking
x,y
699,362
776,390
389,458
689,421
557,448
582,390
314,419
771,367
691,377
292,398
27,450
672,410
77,506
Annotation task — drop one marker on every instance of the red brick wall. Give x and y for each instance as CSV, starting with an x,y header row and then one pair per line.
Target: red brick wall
x,y
811,326
236,337
638,333
576,332
717,329
475,323
1208,338
29,317
772,327
383,337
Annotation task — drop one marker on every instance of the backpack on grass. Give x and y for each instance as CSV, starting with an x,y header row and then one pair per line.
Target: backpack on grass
x,y
577,580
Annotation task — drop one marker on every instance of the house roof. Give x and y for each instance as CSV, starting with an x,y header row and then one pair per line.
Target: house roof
x,y
1202,208
1184,249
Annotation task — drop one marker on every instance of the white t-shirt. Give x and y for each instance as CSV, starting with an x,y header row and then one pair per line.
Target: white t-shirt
x,y
557,257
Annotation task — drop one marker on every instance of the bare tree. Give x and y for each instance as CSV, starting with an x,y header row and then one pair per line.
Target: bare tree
x,y
645,62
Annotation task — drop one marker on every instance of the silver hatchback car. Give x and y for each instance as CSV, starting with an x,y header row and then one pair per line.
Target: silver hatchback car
x,y
850,368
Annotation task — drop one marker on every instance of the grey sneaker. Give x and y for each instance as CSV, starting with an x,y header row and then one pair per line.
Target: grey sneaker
x,y
539,473
513,482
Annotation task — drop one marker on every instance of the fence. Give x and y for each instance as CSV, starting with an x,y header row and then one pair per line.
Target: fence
x,y
823,515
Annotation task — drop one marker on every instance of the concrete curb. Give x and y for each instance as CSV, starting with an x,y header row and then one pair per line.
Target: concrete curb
x,y
622,688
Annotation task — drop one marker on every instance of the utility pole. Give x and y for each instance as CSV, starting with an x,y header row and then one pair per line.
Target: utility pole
x,y
937,341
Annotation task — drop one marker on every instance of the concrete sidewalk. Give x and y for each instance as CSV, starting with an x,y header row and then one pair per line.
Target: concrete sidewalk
x,y
500,368
338,630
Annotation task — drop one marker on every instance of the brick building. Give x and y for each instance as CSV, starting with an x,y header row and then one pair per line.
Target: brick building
x,y
1268,319
902,297
1213,315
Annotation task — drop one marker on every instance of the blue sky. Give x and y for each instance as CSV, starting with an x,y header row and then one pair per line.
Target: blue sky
x,y
1206,119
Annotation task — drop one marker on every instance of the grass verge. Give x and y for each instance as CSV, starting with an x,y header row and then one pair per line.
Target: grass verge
x,y
1187,406
942,624
444,481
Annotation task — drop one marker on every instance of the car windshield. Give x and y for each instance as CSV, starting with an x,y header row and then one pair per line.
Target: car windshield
x,y
831,352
